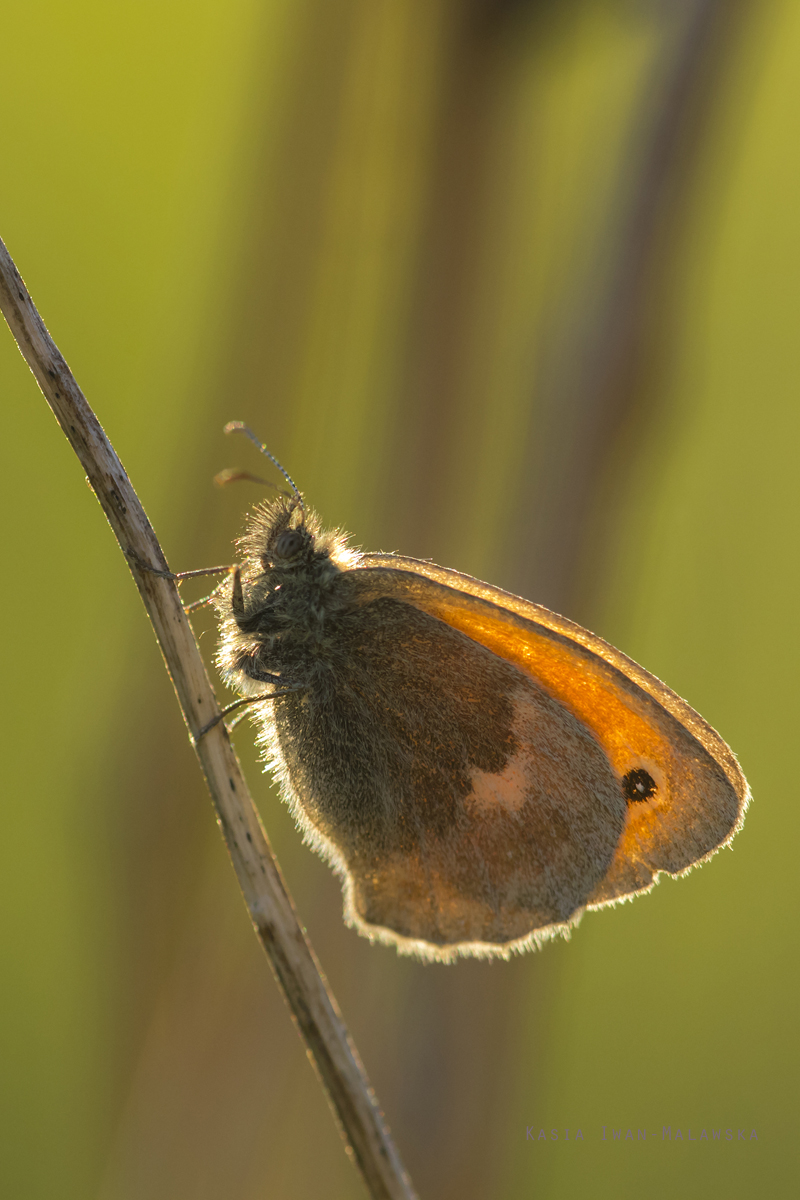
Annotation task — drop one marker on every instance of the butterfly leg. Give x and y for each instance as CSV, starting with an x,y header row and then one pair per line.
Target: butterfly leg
x,y
206,599
252,671
179,577
241,704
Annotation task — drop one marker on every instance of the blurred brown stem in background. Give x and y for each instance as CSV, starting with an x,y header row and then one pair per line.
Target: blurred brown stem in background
x,y
291,957
601,350
599,337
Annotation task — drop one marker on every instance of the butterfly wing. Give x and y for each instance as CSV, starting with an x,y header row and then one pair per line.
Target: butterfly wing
x,y
464,806
684,793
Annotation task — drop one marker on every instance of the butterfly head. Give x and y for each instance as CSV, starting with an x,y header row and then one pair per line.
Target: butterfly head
x,y
280,536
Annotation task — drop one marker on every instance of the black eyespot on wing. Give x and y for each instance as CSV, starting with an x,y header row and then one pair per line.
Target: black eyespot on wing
x,y
638,785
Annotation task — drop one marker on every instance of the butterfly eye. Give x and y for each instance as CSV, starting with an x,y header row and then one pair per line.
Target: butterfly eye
x,y
638,785
289,543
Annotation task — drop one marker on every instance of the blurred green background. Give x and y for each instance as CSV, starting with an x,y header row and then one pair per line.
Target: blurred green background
x,y
513,285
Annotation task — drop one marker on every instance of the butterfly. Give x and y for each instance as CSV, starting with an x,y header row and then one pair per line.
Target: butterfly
x,y
478,770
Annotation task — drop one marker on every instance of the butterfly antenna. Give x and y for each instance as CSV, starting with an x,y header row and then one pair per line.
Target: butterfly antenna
x,y
239,426
233,475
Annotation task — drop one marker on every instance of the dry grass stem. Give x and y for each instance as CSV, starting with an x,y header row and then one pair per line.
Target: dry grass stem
x,y
312,1005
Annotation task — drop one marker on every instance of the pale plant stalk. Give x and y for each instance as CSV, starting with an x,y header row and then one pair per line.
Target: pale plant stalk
x,y
291,957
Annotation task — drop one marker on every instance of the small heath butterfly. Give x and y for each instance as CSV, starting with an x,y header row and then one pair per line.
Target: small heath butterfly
x,y
478,770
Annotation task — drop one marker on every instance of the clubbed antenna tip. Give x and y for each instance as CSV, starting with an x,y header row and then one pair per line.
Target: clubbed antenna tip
x,y
240,427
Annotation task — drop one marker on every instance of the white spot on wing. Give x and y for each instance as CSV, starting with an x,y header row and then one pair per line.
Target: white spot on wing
x,y
511,787
508,790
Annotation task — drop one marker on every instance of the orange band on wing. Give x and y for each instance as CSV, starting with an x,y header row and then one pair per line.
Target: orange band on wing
x,y
584,684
